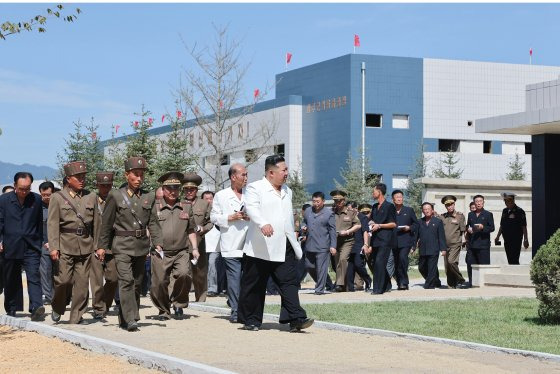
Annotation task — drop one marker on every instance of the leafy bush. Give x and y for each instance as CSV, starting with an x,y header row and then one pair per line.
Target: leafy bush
x,y
545,275
413,259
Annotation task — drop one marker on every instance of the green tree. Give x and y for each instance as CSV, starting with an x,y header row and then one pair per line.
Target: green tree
x,y
83,145
172,155
38,22
515,167
352,180
141,144
413,196
299,194
446,166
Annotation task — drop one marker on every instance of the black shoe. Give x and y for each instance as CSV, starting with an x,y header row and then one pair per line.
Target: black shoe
x,y
178,311
296,326
402,287
83,322
367,288
211,294
319,292
98,316
163,317
132,326
250,327
339,289
37,314
11,313
55,316
233,318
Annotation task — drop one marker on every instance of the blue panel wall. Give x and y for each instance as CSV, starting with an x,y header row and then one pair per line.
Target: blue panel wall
x,y
325,91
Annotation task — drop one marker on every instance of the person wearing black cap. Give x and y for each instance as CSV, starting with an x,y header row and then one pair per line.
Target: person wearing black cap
x,y
129,212
454,226
383,239
407,232
431,241
347,223
480,224
513,225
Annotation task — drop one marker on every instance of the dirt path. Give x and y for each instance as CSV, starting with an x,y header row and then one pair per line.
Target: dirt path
x,y
28,352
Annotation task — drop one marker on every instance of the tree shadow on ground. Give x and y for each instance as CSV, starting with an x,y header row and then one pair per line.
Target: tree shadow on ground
x,y
540,322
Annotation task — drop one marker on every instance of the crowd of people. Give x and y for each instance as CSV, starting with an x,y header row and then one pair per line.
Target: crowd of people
x,y
120,242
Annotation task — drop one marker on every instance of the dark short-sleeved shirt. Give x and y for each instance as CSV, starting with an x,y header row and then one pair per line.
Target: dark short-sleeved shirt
x,y
384,213
431,237
321,230
406,217
512,222
359,235
481,238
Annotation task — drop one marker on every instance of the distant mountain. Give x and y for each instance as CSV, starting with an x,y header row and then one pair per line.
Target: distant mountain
x,y
8,170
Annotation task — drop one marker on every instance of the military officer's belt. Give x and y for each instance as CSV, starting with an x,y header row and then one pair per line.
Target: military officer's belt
x,y
136,233
80,231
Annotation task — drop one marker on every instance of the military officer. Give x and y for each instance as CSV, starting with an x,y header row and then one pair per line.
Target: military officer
x,y
71,225
201,213
513,226
102,293
128,212
455,228
178,229
347,223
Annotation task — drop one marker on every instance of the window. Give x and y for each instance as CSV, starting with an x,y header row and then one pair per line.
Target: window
x,y
487,146
374,120
250,155
400,121
400,181
279,150
448,145
528,148
225,160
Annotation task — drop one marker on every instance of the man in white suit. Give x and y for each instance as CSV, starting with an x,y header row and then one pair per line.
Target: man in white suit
x,y
271,250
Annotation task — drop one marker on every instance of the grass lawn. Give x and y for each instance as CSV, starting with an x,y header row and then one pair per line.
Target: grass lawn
x,y
503,322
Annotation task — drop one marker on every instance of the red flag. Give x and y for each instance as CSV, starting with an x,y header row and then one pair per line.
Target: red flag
x,y
150,120
136,124
117,129
179,114
356,40
221,104
530,51
288,57
93,135
196,111
256,93
162,118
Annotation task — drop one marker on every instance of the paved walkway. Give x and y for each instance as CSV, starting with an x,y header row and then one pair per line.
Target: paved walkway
x,y
210,339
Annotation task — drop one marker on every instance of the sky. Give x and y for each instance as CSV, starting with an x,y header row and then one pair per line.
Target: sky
x,y
117,57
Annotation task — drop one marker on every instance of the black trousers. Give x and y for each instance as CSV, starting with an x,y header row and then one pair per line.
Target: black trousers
x,y
381,278
401,265
13,286
1,273
356,264
513,249
256,272
477,256
427,265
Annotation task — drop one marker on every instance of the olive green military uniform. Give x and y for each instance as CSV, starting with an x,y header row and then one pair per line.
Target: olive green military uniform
x,y
128,240
345,219
103,293
454,227
201,215
75,243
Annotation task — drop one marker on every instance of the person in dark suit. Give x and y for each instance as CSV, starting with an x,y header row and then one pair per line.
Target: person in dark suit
x,y
356,263
407,233
513,225
5,189
21,235
480,224
383,239
431,241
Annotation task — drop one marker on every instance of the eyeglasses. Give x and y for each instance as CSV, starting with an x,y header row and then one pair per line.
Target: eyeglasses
x,y
23,189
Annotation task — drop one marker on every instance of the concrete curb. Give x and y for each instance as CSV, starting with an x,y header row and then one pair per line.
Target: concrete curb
x,y
133,355
394,334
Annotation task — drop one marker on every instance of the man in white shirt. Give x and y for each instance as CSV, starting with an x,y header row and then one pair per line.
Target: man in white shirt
x,y
228,213
271,250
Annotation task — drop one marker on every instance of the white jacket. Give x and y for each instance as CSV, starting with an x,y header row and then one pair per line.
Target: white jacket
x,y
232,234
266,206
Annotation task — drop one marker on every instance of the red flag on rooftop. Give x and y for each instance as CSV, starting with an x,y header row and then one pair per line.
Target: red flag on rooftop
x,y
136,124
530,51
93,135
288,57
162,118
179,114
356,40
117,128
150,120
256,93
221,104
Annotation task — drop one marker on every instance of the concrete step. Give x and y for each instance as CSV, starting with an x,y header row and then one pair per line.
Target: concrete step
x,y
508,280
516,269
